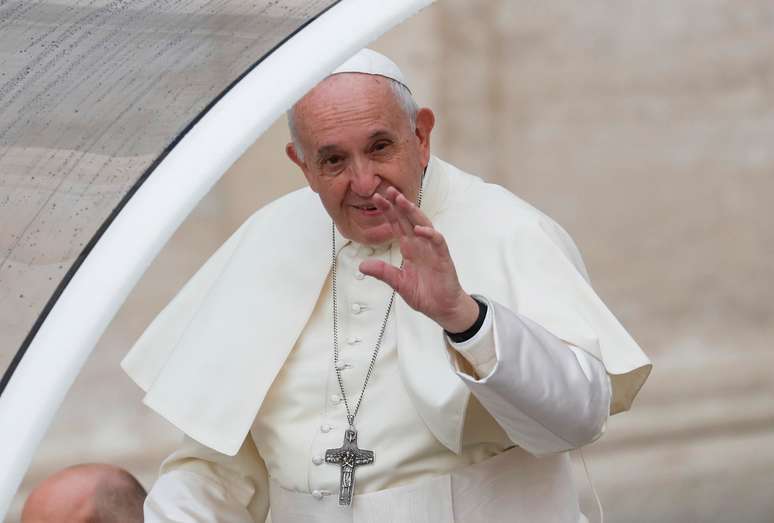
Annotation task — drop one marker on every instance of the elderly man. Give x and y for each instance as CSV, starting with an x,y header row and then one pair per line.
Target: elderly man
x,y
400,341
87,493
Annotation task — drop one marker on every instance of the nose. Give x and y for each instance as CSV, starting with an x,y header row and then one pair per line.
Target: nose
x,y
364,180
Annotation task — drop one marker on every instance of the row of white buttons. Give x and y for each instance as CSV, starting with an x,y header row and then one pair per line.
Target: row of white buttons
x,y
356,308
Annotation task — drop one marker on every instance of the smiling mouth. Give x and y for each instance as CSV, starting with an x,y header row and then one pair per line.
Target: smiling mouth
x,y
366,207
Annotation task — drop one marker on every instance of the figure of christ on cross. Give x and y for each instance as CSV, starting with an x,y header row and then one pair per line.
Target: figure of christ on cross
x,y
348,456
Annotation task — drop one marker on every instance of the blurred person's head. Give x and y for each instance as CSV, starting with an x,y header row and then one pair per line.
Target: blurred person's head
x,y
88,493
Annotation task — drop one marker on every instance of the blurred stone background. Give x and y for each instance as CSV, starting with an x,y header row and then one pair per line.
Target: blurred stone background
x,y
646,128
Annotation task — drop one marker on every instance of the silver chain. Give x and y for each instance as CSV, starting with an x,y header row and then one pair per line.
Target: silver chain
x,y
350,414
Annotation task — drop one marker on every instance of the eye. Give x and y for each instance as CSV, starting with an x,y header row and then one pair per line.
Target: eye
x,y
380,146
332,163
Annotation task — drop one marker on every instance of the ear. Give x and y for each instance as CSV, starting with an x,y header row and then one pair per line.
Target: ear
x,y
425,124
311,179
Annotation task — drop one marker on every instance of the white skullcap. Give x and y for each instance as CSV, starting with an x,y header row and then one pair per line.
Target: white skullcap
x,y
367,61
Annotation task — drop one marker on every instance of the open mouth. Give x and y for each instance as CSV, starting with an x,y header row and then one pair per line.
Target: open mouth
x,y
367,207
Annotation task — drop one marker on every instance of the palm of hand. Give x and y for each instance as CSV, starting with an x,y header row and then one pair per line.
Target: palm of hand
x,y
427,280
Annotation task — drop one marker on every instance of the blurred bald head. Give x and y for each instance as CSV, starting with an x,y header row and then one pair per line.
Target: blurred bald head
x,y
89,493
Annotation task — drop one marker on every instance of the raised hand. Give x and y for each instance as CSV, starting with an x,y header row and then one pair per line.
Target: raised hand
x,y
428,280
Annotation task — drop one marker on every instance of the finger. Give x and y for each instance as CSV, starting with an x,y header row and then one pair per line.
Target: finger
x,y
392,193
394,196
381,271
413,213
395,216
384,205
436,239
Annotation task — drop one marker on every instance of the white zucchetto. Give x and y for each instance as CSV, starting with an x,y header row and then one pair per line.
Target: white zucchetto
x,y
367,61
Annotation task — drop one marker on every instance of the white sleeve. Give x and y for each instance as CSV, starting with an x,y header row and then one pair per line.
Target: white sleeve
x,y
479,350
547,398
198,484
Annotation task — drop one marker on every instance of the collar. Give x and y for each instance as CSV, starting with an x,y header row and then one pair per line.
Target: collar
x,y
435,189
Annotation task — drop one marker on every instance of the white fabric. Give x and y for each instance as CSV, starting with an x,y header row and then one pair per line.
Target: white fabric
x,y
511,487
368,61
504,489
303,414
546,397
198,484
410,463
480,351
503,249
538,391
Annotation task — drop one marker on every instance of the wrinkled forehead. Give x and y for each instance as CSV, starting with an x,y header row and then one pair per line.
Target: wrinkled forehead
x,y
343,87
347,99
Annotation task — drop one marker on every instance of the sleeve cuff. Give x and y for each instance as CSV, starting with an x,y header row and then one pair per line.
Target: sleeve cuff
x,y
479,350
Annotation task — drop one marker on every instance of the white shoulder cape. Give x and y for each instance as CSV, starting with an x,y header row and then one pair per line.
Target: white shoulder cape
x,y
208,359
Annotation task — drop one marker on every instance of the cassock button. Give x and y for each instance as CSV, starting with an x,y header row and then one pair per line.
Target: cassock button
x,y
317,494
354,339
325,428
342,366
359,275
356,308
317,460
335,399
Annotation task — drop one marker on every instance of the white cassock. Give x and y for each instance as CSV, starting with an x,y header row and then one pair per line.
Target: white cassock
x,y
241,361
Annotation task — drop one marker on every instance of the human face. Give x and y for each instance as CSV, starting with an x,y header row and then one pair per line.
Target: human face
x,y
357,141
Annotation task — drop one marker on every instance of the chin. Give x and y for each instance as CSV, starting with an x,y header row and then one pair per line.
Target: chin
x,y
375,241
374,237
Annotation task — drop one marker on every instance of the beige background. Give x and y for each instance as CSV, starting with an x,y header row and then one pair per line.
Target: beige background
x,y
647,130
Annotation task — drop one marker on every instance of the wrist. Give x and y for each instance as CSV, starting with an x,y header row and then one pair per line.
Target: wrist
x,y
463,316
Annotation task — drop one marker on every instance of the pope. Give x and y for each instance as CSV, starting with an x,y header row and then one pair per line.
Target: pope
x,y
399,341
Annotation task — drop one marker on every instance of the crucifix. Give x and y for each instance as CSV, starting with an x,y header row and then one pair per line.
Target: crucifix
x,y
348,456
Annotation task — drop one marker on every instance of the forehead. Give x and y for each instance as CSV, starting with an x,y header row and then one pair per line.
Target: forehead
x,y
348,104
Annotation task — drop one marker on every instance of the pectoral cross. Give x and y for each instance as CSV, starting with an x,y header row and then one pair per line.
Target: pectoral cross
x,y
348,456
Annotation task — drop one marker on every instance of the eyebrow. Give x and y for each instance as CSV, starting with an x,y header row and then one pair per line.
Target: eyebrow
x,y
381,133
326,149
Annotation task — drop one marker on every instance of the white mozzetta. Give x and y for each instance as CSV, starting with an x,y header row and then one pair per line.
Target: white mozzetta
x,y
214,396
135,237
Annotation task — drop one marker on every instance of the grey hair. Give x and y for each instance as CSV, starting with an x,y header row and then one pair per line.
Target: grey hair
x,y
119,499
402,95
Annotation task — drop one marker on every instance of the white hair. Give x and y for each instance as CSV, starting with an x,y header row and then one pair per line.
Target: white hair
x,y
402,96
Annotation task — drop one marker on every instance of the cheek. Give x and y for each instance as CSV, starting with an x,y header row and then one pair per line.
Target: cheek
x,y
406,177
334,194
